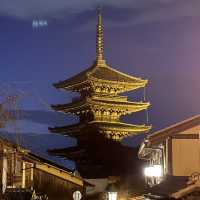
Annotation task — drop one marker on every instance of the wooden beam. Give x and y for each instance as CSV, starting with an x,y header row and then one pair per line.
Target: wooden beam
x,y
23,174
170,164
186,136
186,191
4,172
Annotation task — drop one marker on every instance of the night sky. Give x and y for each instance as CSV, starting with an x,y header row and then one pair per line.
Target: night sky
x,y
157,40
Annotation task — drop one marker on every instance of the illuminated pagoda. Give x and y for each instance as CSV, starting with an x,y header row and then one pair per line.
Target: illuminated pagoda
x,y
99,108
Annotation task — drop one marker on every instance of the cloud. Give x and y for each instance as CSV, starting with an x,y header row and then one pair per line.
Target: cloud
x,y
172,10
140,11
158,11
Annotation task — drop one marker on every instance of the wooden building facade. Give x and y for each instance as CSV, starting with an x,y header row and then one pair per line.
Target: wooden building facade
x,y
22,172
176,149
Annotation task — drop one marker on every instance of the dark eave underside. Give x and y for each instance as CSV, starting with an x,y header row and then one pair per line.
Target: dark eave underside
x,y
98,125
159,136
92,102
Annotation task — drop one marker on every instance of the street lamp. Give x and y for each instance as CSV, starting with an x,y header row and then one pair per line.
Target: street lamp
x,y
112,192
153,175
153,171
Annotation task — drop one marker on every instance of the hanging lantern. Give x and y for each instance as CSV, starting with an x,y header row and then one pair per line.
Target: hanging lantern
x,y
153,171
112,192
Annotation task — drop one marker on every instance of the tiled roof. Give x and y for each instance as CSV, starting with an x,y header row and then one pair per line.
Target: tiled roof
x,y
105,73
161,135
32,143
108,73
90,102
170,185
102,124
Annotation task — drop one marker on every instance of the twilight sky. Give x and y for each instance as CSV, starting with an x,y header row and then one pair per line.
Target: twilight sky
x,y
157,40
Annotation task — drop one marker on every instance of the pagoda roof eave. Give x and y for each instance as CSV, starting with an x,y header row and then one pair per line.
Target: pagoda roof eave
x,y
121,126
63,151
90,103
102,74
116,84
101,125
137,84
136,81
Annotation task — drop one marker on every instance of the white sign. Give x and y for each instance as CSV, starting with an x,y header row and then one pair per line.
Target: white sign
x,y
77,195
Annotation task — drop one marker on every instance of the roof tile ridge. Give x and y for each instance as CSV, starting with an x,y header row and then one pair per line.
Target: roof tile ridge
x,y
122,123
121,82
93,69
124,74
174,125
127,101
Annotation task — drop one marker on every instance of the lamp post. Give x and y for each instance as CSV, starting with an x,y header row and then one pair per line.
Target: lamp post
x,y
112,192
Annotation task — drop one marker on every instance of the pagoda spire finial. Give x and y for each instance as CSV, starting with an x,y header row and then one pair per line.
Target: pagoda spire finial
x,y
99,39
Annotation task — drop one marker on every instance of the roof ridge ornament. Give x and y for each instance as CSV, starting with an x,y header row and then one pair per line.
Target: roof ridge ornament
x,y
99,40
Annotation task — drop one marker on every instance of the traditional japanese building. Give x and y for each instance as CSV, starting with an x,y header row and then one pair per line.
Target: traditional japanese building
x,y
99,108
173,158
24,174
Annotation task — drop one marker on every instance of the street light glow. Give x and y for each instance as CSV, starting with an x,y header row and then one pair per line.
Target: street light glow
x,y
153,171
112,195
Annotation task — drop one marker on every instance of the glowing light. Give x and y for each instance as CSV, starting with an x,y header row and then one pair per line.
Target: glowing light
x,y
112,195
112,191
153,171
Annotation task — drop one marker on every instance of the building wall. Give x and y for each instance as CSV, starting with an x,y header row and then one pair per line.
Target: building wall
x,y
10,168
183,152
20,172
54,187
185,156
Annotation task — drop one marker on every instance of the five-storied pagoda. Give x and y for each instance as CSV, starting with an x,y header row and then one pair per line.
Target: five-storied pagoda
x,y
99,152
